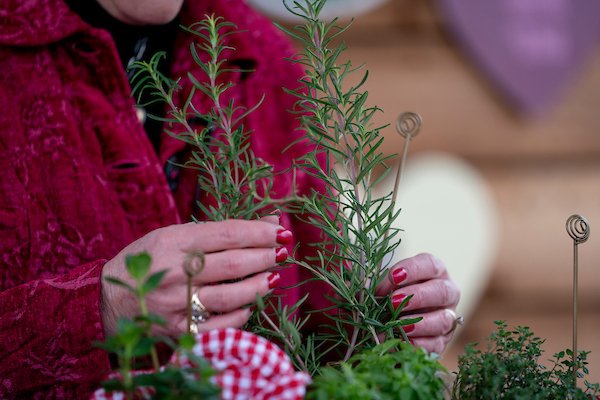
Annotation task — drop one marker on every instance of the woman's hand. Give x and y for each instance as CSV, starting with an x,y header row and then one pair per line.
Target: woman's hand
x,y
435,297
233,250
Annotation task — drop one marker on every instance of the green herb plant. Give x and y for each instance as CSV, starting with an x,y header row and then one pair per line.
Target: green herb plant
x,y
509,369
358,235
357,224
134,342
361,338
391,370
237,183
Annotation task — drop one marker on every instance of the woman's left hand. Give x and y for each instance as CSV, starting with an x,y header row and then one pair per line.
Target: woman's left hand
x,y
435,297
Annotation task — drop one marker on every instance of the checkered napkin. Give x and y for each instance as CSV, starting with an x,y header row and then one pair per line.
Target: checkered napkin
x,y
249,367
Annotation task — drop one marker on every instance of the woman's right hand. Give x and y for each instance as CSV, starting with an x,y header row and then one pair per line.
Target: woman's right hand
x,y
237,250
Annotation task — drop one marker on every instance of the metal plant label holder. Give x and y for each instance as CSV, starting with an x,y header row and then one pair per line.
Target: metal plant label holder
x,y
579,230
408,126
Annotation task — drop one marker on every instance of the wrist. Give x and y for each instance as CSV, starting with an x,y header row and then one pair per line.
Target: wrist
x,y
109,317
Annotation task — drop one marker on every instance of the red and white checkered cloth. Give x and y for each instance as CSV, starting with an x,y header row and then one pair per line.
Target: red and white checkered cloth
x,y
249,367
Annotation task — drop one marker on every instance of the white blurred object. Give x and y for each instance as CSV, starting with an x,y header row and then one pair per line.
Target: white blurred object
x,y
333,8
449,211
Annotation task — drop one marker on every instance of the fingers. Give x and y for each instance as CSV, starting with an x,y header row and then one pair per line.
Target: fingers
x,y
434,331
227,297
224,302
433,297
235,264
272,218
232,249
224,235
435,323
415,269
435,293
234,319
435,344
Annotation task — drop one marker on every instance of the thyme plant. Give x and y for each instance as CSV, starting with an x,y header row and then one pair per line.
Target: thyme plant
x,y
508,368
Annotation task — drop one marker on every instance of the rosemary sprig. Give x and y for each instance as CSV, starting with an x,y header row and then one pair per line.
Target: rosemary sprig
x,y
338,121
237,184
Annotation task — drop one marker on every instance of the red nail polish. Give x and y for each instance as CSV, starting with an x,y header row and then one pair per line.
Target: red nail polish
x,y
274,279
281,255
397,299
408,328
399,275
284,236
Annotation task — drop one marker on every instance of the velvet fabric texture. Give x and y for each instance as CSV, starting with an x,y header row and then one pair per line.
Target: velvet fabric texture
x,y
80,180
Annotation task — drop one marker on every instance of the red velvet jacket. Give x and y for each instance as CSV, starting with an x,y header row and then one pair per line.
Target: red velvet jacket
x,y
79,179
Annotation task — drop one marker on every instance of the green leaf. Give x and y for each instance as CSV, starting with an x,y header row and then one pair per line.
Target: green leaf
x,y
142,347
118,282
187,341
153,282
138,265
260,303
113,385
151,319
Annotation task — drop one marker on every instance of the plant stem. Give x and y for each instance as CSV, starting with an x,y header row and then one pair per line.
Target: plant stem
x,y
352,345
153,353
351,170
286,340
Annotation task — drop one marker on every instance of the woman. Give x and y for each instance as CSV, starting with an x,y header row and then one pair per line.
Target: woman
x,y
83,184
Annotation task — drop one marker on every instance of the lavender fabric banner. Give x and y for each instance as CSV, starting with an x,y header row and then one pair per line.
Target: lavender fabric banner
x,y
530,49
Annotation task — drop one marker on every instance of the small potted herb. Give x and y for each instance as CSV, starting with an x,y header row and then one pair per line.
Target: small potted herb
x,y
508,368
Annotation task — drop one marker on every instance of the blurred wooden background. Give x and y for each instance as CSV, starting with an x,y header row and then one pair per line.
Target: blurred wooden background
x,y
540,170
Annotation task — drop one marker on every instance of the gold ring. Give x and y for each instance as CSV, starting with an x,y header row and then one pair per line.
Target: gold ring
x,y
199,313
456,320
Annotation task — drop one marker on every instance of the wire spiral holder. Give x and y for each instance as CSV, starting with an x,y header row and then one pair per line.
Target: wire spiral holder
x,y
408,126
579,230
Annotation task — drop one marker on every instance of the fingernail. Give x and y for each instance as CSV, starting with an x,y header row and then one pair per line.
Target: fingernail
x,y
408,328
397,299
284,236
274,279
281,255
399,275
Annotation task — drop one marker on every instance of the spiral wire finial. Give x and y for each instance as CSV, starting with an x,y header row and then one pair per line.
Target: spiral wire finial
x,y
408,125
578,228
193,263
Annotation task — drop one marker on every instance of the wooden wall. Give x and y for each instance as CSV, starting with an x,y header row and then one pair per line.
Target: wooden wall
x,y
540,170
